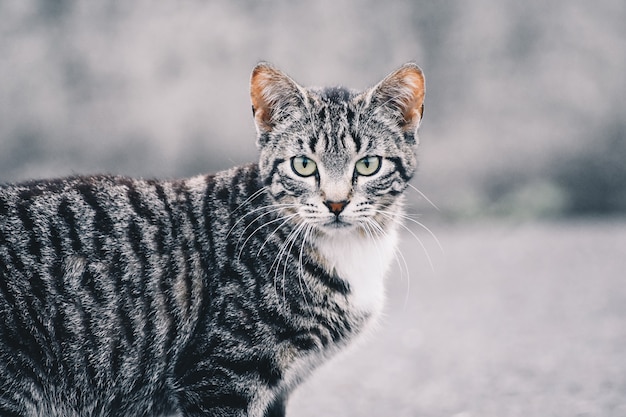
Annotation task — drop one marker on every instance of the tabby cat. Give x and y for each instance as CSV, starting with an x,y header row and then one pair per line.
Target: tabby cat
x,y
213,295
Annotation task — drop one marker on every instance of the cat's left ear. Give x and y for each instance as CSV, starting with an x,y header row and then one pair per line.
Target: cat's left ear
x,y
402,92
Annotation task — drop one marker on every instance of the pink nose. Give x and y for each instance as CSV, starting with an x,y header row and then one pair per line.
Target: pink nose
x,y
336,207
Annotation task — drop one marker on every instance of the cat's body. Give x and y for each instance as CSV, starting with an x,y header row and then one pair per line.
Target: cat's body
x,y
214,295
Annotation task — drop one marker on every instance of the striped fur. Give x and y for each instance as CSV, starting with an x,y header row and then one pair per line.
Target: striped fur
x,y
209,296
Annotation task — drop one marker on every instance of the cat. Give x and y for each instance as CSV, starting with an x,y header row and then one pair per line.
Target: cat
x,y
213,295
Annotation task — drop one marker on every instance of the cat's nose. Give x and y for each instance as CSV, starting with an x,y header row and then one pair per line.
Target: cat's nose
x,y
336,207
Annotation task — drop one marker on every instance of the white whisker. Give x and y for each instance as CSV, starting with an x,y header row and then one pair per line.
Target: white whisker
x,y
252,197
394,219
271,209
307,231
420,224
284,251
375,231
284,219
424,196
399,256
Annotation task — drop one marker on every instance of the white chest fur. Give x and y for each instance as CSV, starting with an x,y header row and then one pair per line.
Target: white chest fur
x,y
363,262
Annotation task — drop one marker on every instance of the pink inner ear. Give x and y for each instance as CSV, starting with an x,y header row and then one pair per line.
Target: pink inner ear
x,y
404,90
411,98
259,84
270,89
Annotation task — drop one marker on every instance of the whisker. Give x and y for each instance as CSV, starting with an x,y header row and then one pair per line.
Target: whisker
x,y
284,219
398,256
395,220
424,196
290,242
251,198
300,255
307,231
420,224
373,230
287,219
273,207
276,263
285,250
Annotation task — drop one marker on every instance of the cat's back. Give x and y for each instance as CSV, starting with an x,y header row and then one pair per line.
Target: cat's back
x,y
90,215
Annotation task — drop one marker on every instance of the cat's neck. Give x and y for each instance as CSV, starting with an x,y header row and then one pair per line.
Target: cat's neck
x,y
362,260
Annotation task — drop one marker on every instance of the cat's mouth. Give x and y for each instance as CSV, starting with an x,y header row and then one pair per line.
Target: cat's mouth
x,y
338,223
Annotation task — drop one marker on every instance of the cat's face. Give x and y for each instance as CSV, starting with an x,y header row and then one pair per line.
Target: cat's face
x,y
335,159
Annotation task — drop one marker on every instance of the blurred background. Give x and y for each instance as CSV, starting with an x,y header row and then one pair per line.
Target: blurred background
x,y
523,151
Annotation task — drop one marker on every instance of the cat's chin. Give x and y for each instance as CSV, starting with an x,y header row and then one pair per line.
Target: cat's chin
x,y
337,227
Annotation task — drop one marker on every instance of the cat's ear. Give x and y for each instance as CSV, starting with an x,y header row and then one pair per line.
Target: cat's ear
x,y
402,92
270,92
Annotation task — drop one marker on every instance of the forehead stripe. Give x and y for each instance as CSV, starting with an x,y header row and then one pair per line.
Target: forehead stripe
x,y
313,142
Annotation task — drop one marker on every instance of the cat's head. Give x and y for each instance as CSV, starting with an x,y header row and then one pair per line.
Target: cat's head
x,y
335,158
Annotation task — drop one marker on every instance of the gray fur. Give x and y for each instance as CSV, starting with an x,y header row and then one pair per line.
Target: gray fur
x,y
209,296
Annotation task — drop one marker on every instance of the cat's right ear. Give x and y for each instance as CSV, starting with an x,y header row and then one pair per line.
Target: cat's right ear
x,y
270,92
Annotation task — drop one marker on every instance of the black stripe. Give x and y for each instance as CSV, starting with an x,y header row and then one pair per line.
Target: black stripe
x,y
65,212
207,209
56,241
409,137
4,207
165,246
141,250
197,230
102,221
331,281
141,207
86,338
264,137
116,273
23,213
400,168
330,145
261,364
168,229
342,139
356,138
222,194
252,185
141,308
275,164
349,116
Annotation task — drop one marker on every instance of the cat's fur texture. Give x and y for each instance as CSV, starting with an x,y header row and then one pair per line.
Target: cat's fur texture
x,y
214,295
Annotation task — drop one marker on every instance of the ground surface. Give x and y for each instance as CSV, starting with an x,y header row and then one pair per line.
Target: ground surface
x,y
525,320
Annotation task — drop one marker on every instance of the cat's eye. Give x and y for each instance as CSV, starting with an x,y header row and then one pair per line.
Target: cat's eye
x,y
303,166
368,166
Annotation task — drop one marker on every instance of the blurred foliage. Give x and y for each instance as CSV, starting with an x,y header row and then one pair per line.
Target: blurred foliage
x,y
594,179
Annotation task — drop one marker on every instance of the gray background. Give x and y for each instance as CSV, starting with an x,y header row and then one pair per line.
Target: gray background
x,y
523,150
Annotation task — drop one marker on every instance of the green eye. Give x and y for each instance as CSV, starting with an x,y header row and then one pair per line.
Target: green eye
x,y
303,166
368,165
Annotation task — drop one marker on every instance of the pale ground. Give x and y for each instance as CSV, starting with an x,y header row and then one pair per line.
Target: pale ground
x,y
516,320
